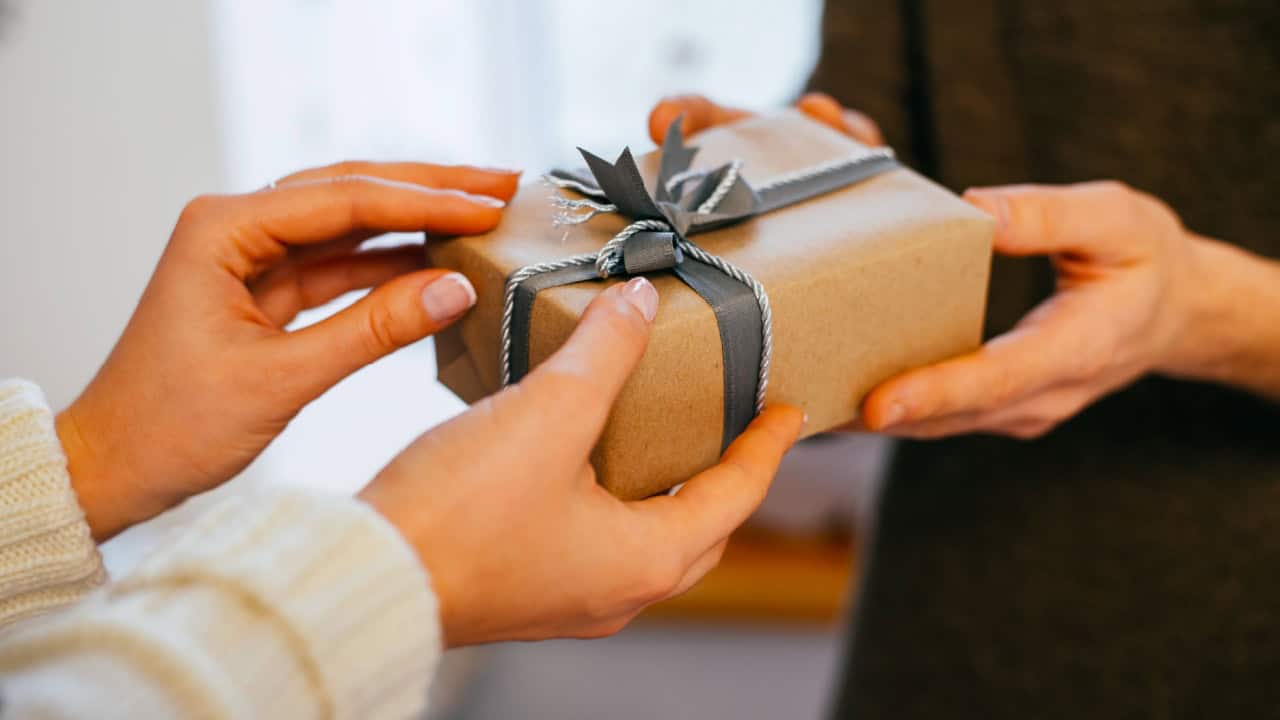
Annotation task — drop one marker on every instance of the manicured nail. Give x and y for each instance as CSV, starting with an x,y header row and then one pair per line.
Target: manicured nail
x,y
642,296
486,200
476,198
448,297
894,414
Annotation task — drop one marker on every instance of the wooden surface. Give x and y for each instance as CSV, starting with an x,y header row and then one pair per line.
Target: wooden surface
x,y
767,577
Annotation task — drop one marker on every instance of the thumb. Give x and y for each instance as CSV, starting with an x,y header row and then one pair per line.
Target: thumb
x,y
583,378
1084,219
713,503
397,313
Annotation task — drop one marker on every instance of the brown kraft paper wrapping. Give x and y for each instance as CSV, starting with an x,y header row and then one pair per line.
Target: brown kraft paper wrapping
x,y
865,282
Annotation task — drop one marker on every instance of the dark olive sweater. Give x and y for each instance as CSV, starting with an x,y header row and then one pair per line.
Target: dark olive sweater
x,y
1127,564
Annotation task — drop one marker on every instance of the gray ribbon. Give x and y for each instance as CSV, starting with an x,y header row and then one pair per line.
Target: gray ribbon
x,y
683,203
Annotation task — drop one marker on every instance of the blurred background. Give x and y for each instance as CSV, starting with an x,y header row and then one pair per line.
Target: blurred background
x,y
118,112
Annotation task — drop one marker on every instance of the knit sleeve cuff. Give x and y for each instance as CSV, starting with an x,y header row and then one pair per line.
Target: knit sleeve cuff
x,y
47,555
345,591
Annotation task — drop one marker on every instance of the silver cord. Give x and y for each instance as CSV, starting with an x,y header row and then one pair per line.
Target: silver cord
x,y
867,155
680,177
722,188
509,300
569,211
571,184
607,260
762,299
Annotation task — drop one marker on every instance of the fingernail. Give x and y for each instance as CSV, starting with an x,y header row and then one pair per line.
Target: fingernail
x,y
860,126
448,297
642,296
487,200
994,204
894,414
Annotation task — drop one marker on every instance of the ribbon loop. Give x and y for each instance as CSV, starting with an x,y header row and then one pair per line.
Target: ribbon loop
x,y
683,202
649,251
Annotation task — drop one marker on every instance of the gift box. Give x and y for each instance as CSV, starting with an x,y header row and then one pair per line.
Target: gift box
x,y
792,263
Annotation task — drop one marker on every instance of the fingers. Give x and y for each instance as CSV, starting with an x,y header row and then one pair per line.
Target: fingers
x,y
699,114
1026,418
863,128
716,501
584,377
395,314
1048,347
318,210
489,182
493,182
826,110
1104,221
290,288
1079,339
264,224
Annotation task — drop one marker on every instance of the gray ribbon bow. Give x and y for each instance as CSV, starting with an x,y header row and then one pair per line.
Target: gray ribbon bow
x,y
684,202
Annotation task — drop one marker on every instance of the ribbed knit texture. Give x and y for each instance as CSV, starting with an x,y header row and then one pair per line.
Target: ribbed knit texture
x,y
271,605
47,557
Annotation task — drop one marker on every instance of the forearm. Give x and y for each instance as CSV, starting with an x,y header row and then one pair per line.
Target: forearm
x,y
270,606
1232,333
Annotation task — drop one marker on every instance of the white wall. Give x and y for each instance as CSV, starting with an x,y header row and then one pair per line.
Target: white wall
x,y
108,125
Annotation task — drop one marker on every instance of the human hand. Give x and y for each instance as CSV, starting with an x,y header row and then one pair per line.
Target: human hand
x,y
1132,286
503,507
205,374
703,114
1137,293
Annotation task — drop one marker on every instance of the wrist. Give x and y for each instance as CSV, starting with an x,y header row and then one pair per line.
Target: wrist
x,y
408,517
1225,326
99,498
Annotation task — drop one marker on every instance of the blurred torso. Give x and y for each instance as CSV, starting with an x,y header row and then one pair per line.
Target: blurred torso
x,y
1129,562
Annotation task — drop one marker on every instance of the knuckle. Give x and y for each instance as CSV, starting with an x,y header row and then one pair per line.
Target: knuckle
x,y
820,101
649,581
1141,209
199,209
602,609
622,320
382,334
347,189
1003,389
1153,211
347,169
739,473
658,580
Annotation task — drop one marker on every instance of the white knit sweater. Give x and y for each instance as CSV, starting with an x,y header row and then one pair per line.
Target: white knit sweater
x,y
271,606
